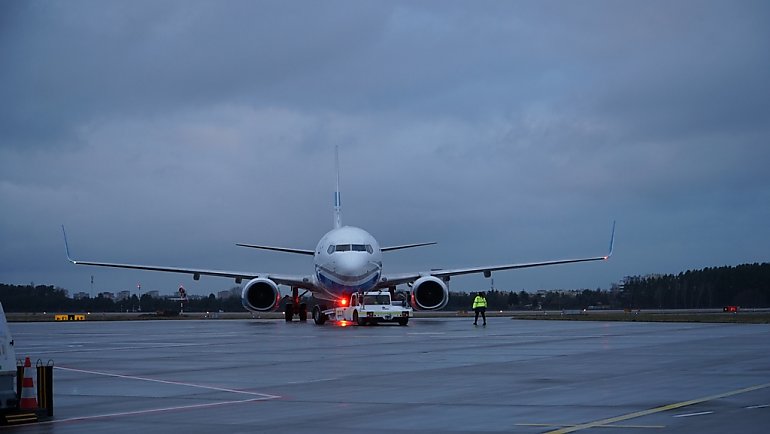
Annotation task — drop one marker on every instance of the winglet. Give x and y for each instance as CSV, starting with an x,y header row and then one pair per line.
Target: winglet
x,y
66,245
612,241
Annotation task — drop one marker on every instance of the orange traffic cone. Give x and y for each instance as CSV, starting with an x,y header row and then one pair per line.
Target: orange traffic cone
x,y
28,392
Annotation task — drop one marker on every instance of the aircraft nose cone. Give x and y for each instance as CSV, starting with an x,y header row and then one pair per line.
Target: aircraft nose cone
x,y
352,265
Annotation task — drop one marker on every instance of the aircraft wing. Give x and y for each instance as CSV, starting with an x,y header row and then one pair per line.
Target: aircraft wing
x,y
396,279
281,279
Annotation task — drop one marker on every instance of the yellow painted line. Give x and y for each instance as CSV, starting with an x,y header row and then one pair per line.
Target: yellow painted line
x,y
660,409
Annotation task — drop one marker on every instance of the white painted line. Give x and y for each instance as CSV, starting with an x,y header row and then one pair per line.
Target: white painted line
x,y
153,410
173,383
88,349
546,425
700,413
758,406
311,381
427,333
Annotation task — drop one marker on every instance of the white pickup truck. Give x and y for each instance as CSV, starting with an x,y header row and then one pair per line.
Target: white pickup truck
x,y
367,308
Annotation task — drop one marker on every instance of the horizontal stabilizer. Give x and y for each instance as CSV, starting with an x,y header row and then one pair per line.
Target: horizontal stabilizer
x,y
277,249
406,246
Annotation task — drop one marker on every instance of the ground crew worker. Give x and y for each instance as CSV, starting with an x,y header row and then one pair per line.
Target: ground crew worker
x,y
480,307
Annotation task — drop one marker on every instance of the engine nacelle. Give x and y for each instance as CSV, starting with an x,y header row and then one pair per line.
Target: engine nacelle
x,y
260,295
429,293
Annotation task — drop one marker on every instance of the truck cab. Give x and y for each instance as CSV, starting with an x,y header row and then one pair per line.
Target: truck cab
x,y
365,308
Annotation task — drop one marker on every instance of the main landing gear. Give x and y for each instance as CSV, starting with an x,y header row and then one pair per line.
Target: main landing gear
x,y
295,307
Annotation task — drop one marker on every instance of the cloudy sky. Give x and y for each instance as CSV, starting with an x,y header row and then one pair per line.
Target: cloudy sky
x,y
163,132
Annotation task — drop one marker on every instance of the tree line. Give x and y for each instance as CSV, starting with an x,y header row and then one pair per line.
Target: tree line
x,y
746,285
46,298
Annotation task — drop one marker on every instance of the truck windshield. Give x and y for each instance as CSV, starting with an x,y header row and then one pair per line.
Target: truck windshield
x,y
376,299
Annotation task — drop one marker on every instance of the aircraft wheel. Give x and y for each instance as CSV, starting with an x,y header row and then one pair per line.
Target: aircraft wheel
x,y
403,321
303,312
288,313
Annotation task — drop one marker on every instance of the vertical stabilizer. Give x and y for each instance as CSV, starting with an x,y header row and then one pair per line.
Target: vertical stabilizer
x,y
337,200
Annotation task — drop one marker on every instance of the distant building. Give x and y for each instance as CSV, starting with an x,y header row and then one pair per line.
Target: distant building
x,y
81,295
107,295
123,295
153,294
230,293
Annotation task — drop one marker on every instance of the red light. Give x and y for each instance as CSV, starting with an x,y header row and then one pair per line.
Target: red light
x,y
344,323
343,302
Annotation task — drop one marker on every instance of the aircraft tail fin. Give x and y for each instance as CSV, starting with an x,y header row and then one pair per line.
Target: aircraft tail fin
x,y
337,199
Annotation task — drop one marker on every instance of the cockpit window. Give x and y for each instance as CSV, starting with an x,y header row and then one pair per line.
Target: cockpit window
x,y
351,247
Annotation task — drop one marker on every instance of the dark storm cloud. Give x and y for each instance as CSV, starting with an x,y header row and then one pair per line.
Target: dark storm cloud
x,y
162,132
78,61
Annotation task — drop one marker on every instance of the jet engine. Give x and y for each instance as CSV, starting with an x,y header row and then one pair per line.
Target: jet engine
x,y
429,293
260,295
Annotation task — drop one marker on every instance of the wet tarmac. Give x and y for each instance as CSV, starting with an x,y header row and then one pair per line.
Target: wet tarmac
x,y
435,375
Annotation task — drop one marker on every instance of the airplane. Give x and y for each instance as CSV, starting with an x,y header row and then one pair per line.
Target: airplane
x,y
346,260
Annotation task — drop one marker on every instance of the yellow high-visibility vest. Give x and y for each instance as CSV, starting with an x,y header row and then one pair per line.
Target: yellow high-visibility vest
x,y
479,301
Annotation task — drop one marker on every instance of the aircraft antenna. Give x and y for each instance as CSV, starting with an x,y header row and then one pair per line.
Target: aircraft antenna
x,y
337,199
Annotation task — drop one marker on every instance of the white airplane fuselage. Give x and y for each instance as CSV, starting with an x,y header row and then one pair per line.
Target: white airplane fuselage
x,y
347,260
